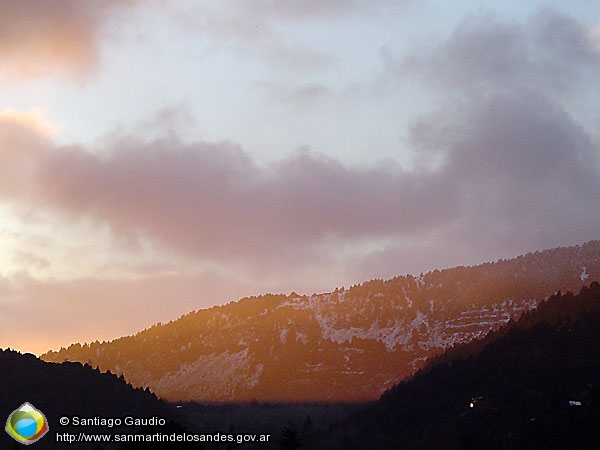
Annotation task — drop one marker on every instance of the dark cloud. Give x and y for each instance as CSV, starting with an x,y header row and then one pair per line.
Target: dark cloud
x,y
37,37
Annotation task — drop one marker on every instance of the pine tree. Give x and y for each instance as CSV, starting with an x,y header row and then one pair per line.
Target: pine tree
x,y
308,425
289,440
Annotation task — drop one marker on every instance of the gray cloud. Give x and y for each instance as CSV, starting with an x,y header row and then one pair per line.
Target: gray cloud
x,y
213,201
242,30
516,167
507,135
550,52
525,176
311,8
525,169
303,97
268,30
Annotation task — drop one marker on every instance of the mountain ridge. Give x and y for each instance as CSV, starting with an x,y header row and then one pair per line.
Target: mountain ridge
x,y
346,345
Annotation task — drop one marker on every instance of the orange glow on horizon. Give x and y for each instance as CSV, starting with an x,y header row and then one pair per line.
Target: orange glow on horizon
x,y
33,119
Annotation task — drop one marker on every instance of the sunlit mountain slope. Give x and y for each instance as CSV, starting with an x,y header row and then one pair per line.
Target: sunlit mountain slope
x,y
349,344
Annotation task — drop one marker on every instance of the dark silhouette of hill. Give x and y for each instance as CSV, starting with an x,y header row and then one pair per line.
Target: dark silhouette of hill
x,y
534,384
347,345
69,389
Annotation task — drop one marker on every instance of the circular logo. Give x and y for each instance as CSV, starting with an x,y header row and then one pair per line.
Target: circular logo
x,y
27,424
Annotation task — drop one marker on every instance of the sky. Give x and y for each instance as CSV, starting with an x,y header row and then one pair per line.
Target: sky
x,y
161,157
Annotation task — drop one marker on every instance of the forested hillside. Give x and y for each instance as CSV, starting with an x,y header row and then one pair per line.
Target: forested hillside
x,y
349,344
69,389
533,385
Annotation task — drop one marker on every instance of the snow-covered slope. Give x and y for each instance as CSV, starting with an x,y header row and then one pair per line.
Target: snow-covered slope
x,y
350,344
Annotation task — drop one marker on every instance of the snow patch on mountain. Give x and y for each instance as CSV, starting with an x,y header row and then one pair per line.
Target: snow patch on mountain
x,y
390,336
422,329
584,275
282,335
216,375
301,337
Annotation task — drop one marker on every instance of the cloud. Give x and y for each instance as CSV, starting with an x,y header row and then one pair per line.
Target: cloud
x,y
515,167
525,176
38,37
244,31
25,258
310,8
213,201
526,172
595,36
306,95
505,136
292,37
550,51
506,133
32,119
